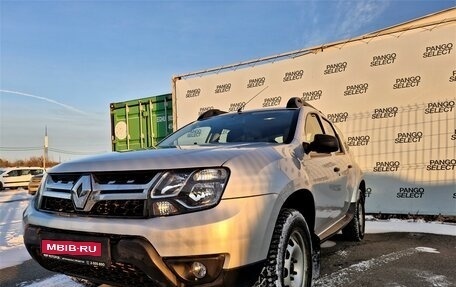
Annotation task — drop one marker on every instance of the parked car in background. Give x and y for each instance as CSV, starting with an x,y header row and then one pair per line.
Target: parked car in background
x,y
34,183
14,177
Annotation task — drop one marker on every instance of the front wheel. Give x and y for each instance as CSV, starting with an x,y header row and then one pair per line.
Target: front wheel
x,y
354,231
289,260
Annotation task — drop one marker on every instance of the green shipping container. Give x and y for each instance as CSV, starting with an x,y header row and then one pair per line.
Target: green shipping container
x,y
141,123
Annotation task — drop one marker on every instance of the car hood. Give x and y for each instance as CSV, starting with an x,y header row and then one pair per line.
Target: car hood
x,y
160,159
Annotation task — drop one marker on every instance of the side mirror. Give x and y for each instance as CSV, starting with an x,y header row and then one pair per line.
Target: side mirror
x,y
322,144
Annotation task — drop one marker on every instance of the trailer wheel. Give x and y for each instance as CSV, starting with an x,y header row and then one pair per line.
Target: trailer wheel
x,y
289,261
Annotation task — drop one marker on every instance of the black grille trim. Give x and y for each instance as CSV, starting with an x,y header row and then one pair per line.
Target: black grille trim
x,y
117,274
105,208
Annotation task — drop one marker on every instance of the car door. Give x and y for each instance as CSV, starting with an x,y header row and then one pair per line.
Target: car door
x,y
10,179
24,177
328,183
343,168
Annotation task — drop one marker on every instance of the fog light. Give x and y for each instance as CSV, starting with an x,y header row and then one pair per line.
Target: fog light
x,y
199,270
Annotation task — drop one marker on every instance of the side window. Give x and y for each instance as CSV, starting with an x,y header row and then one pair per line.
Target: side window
x,y
36,171
341,138
25,172
312,127
329,130
14,173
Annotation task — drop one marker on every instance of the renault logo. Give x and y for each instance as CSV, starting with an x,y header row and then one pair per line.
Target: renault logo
x,y
81,191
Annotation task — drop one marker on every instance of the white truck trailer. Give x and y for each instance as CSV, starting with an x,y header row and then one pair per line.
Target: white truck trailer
x,y
392,93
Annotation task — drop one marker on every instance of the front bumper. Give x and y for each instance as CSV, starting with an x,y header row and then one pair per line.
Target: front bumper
x,y
134,262
143,251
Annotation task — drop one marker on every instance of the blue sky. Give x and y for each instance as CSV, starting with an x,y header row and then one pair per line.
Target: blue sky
x,y
63,62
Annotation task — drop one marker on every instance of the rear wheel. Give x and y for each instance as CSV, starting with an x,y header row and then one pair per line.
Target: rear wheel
x,y
354,231
289,261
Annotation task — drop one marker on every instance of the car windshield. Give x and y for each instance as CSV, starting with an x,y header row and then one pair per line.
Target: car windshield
x,y
273,126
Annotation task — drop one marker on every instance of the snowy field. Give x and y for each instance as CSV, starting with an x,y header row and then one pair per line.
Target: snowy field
x,y
13,252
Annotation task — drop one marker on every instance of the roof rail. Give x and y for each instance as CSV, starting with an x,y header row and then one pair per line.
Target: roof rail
x,y
296,102
210,113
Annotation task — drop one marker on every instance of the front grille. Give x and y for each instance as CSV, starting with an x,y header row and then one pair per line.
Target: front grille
x,y
124,178
106,208
122,208
57,204
103,194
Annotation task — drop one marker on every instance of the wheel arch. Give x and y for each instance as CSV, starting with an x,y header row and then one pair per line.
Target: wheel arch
x,y
359,193
303,201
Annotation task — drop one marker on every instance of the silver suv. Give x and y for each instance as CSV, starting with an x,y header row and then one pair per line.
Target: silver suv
x,y
232,199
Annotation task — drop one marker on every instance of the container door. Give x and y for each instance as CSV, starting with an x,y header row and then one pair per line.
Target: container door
x,y
140,124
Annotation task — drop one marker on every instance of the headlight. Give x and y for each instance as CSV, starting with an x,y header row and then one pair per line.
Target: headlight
x,y
186,191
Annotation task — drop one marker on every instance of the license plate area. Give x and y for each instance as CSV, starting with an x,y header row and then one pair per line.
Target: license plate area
x,y
85,250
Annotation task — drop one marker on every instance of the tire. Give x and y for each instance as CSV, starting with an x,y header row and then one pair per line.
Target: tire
x,y
289,261
354,231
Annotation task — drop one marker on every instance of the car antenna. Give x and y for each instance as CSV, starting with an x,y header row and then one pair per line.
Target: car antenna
x,y
243,106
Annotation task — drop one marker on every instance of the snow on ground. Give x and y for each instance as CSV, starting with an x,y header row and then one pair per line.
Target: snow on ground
x,y
13,252
54,281
398,225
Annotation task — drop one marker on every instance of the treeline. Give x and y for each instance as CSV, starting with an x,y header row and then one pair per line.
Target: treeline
x,y
33,161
